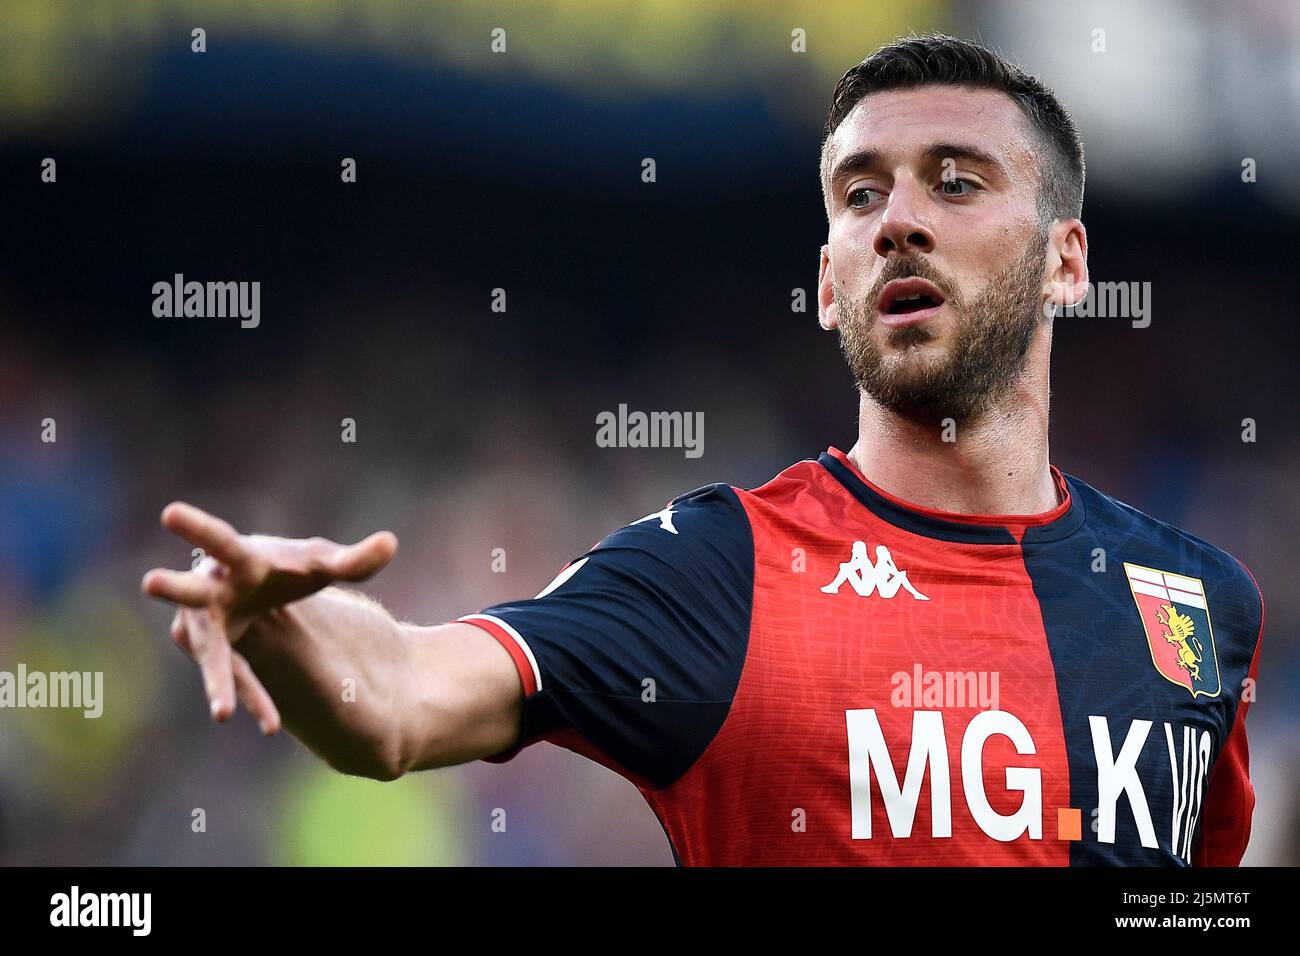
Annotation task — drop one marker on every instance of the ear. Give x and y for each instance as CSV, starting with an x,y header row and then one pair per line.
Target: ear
x,y
828,313
1067,264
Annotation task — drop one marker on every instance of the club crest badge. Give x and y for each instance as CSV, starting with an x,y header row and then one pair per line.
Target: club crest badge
x,y
1176,619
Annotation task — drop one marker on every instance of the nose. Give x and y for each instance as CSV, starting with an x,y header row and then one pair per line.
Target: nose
x,y
902,227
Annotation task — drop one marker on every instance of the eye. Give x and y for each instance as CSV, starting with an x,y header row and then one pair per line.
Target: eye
x,y
957,184
859,198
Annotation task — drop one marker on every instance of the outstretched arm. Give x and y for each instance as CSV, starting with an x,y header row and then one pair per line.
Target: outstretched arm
x,y
371,696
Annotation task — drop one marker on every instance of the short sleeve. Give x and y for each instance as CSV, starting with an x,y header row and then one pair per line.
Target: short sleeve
x,y
1230,797
632,655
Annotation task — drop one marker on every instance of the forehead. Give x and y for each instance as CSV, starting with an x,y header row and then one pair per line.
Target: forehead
x,y
899,122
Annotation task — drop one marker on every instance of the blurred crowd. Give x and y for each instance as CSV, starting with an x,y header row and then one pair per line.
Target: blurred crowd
x,y
475,429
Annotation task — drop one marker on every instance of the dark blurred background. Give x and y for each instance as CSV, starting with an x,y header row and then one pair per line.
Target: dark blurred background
x,y
475,429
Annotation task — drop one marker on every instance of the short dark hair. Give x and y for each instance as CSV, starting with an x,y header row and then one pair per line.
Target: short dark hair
x,y
937,59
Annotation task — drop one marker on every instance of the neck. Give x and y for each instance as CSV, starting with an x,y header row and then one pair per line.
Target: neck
x,y
998,464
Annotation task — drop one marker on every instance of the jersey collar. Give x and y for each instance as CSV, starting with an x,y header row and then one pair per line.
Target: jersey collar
x,y
1053,525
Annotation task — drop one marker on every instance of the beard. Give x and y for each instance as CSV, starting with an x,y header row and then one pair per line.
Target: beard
x,y
989,349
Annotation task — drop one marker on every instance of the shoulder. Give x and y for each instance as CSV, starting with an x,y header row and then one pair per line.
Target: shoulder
x,y
708,519
726,510
791,486
1147,544
707,535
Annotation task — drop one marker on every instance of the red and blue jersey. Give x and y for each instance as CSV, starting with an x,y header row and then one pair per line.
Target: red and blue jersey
x,y
814,672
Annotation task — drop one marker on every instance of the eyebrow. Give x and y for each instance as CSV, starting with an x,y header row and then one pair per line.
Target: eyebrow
x,y
864,159
943,151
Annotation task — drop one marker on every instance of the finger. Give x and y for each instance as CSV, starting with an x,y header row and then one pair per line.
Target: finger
x,y
253,695
180,634
216,537
180,587
250,691
212,651
359,561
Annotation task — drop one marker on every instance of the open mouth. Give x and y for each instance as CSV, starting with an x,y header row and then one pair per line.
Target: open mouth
x,y
905,296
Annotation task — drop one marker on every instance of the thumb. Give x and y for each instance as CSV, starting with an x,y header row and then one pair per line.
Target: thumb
x,y
359,561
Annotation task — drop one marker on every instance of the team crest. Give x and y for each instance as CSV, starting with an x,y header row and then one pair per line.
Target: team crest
x,y
1176,619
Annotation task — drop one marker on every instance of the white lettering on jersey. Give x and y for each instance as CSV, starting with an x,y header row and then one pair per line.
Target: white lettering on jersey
x,y
1188,787
865,577
867,750
1119,775
1116,776
1028,780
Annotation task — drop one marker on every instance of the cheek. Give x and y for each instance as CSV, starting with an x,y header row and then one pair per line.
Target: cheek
x,y
859,282
854,257
975,265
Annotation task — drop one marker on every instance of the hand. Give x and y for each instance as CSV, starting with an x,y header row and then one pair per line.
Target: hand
x,y
241,577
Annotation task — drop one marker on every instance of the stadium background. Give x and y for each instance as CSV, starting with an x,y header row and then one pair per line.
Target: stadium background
x,y
476,429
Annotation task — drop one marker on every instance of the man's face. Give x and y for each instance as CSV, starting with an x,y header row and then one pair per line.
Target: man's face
x,y
934,266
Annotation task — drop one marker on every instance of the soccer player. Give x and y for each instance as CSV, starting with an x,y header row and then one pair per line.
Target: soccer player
x,y
935,648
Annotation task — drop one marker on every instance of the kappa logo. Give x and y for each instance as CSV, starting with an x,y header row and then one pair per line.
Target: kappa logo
x,y
665,518
1176,619
866,578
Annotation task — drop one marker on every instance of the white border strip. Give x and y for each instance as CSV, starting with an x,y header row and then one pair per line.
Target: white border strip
x,y
1142,574
1194,598
563,576
1155,590
1177,582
